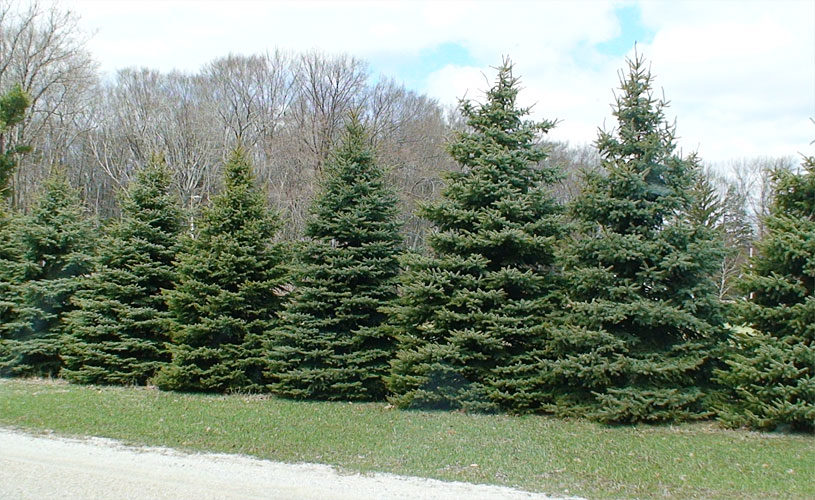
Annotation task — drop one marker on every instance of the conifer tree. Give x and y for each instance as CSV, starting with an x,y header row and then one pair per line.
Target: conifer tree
x,y
11,266
229,291
57,245
643,316
771,370
472,313
118,333
331,344
13,105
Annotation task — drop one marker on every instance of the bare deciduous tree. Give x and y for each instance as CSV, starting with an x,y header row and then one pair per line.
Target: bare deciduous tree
x,y
719,206
329,87
753,178
43,50
574,162
251,95
285,110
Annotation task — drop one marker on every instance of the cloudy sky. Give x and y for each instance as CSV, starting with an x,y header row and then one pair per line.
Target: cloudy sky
x,y
740,75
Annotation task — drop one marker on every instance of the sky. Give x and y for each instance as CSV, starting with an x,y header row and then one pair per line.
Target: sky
x,y
739,74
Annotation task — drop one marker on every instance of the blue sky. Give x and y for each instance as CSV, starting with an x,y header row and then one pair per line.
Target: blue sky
x,y
740,74
413,71
632,31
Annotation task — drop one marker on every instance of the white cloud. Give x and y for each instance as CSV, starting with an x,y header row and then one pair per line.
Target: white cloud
x,y
741,75
447,83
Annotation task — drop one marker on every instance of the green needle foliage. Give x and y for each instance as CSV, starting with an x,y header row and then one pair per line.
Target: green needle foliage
x,y
119,331
57,243
771,370
229,291
473,312
331,345
13,105
643,316
11,265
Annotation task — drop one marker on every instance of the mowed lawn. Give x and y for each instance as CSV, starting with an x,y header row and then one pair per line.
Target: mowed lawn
x,y
537,453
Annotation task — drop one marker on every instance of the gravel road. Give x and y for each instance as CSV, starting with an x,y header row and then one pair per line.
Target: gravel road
x,y
45,467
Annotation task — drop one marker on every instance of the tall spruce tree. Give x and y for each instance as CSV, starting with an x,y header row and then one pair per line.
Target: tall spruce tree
x,y
57,243
119,331
771,370
331,344
472,312
230,288
643,315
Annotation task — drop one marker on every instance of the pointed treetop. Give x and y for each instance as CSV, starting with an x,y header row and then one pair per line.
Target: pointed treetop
x,y
498,132
238,170
642,132
57,191
155,176
354,129
354,145
500,111
645,177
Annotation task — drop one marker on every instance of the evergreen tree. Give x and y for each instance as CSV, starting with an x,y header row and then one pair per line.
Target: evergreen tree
x,y
472,313
229,290
331,344
771,370
119,331
11,266
57,244
13,105
643,317
708,208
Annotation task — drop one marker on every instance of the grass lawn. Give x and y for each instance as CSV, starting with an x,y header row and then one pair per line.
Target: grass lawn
x,y
535,453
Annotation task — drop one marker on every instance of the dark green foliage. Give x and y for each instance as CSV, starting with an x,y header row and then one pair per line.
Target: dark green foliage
x,y
11,265
12,111
119,331
472,314
230,279
771,370
57,243
331,344
643,316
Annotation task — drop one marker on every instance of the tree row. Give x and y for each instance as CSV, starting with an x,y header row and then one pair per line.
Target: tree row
x,y
607,307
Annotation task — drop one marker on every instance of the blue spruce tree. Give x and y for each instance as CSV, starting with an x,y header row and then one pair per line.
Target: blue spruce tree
x,y
119,331
771,371
230,284
472,313
331,344
642,326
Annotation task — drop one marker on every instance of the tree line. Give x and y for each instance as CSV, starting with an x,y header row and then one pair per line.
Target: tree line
x,y
606,303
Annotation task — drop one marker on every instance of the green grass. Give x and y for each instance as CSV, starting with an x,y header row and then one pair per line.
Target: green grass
x,y
531,452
